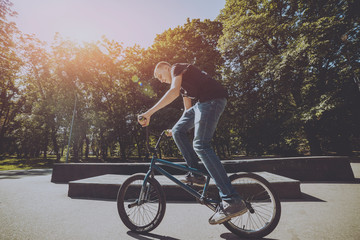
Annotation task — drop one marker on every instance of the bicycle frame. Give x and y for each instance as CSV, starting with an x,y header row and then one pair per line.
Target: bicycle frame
x,y
211,203
263,206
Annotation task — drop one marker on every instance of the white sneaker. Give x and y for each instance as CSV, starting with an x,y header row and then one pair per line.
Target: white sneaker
x,y
226,211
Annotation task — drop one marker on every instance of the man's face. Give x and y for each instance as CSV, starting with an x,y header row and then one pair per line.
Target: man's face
x,y
164,75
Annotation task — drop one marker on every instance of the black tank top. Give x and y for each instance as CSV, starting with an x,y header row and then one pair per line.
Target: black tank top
x,y
197,84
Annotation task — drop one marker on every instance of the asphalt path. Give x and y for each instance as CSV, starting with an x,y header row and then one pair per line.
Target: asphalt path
x,y
33,208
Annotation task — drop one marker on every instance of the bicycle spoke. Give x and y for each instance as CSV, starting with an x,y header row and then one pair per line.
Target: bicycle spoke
x,y
263,214
141,213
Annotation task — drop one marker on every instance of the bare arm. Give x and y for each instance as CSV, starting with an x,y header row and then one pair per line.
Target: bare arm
x,y
168,98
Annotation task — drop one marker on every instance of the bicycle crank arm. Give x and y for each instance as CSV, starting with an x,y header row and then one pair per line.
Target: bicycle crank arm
x,y
249,207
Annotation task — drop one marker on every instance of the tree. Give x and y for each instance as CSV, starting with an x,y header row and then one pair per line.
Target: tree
x,y
285,60
10,99
38,122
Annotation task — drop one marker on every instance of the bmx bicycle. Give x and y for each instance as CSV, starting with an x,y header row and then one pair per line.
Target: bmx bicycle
x,y
141,201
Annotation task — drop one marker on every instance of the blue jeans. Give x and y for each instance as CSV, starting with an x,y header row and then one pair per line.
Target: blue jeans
x,y
203,117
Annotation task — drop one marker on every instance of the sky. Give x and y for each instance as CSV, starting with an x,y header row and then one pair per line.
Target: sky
x,y
127,21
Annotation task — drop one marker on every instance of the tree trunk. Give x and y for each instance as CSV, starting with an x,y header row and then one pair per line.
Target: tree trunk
x,y
87,148
314,143
55,144
75,151
122,150
46,141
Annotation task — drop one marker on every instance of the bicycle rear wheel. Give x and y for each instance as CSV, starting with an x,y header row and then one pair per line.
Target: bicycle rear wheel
x,y
263,204
141,215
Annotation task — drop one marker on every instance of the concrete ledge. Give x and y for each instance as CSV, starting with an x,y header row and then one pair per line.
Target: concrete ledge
x,y
317,168
107,186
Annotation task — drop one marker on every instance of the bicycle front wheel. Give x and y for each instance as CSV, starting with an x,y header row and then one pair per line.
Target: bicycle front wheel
x,y
263,205
141,215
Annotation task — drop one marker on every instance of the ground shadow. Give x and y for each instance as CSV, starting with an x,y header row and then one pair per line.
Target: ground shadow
x,y
149,236
231,236
16,174
354,181
304,198
93,199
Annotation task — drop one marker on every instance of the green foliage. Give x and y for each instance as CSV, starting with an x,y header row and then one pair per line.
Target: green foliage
x,y
10,99
291,69
289,62
15,163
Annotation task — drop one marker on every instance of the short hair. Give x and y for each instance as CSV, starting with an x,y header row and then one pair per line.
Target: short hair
x,y
161,65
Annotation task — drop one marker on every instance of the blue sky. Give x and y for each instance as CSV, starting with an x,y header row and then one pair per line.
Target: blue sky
x,y
128,21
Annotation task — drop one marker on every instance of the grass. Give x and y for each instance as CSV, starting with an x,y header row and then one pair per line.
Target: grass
x,y
13,163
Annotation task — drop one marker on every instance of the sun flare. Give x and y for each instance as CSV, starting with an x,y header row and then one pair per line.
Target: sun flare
x,y
125,21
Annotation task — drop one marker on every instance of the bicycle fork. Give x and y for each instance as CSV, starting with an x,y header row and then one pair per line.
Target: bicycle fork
x,y
145,190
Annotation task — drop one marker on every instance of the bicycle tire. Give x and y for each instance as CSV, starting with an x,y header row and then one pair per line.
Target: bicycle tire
x,y
143,217
261,197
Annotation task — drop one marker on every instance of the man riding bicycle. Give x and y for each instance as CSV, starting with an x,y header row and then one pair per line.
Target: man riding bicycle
x,y
192,83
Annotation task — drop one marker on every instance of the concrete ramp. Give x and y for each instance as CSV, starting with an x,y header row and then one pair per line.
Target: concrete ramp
x,y
107,186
